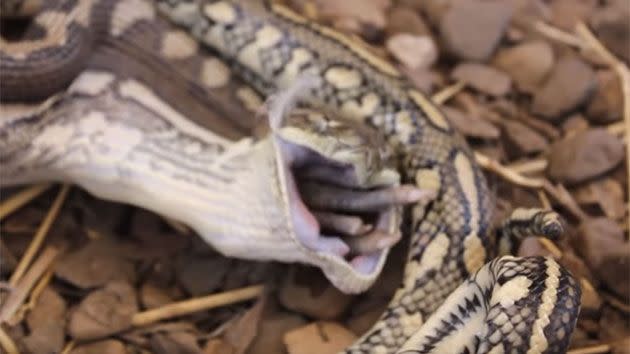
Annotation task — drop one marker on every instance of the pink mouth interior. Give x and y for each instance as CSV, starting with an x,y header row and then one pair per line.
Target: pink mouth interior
x,y
307,228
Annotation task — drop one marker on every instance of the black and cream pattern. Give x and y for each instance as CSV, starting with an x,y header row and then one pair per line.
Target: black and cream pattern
x,y
456,297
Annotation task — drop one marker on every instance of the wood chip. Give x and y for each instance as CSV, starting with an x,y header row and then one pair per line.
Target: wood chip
x,y
318,338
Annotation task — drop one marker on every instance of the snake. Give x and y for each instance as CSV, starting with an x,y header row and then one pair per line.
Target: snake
x,y
126,98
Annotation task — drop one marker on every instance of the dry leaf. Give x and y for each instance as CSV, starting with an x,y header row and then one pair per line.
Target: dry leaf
x,y
319,338
306,291
104,312
242,332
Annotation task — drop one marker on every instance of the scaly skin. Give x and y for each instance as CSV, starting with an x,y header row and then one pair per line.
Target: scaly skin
x,y
271,48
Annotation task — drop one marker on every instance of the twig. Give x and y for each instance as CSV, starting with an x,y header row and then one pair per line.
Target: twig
x,y
532,166
551,247
7,343
446,93
514,177
560,194
596,349
21,291
558,35
616,303
544,200
22,198
35,294
69,346
38,239
41,285
194,305
586,284
624,78
178,226
618,128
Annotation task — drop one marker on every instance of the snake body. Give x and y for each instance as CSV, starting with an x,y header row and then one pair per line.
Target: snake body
x,y
456,297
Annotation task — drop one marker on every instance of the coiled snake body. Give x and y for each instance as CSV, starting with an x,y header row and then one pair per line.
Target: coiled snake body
x,y
455,296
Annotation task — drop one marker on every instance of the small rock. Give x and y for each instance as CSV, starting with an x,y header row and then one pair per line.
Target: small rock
x,y
318,338
271,333
241,333
484,78
8,262
591,302
218,346
514,35
531,246
371,13
349,25
611,24
95,264
523,139
423,79
584,155
152,296
613,271
174,342
434,10
202,275
145,225
104,312
621,346
524,199
403,19
109,346
415,52
472,29
528,64
570,84
528,11
148,229
316,297
615,325
567,13
362,322
22,220
244,273
543,127
46,323
606,193
607,103
579,338
588,324
575,123
602,244
471,125
162,272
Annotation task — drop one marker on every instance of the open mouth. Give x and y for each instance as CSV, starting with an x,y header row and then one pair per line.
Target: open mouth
x,y
333,213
